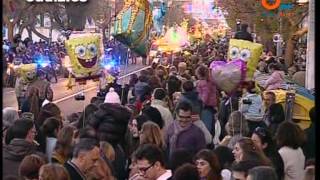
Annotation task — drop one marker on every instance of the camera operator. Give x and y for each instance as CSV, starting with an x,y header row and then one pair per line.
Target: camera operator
x,y
251,106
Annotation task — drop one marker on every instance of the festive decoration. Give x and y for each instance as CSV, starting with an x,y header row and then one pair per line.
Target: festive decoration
x,y
228,76
84,54
27,72
174,40
133,24
158,17
248,52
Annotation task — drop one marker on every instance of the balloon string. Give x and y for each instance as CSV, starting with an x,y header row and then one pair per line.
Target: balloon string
x,y
231,109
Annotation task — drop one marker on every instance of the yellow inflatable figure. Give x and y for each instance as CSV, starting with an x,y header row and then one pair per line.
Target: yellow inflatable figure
x,y
84,53
27,72
247,51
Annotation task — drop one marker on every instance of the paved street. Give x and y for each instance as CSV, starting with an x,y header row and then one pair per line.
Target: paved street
x,y
65,98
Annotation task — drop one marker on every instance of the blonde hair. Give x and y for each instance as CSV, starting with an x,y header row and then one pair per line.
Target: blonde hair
x,y
53,172
151,134
108,150
101,171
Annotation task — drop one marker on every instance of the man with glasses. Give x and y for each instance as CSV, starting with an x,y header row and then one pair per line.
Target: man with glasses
x,y
21,144
182,133
150,163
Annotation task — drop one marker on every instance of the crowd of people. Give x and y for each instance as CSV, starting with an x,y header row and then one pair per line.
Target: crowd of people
x,y
169,122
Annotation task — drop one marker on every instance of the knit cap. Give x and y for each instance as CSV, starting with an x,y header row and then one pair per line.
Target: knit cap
x,y
112,97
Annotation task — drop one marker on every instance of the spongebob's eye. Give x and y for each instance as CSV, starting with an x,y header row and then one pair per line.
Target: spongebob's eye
x,y
234,53
80,51
245,54
92,49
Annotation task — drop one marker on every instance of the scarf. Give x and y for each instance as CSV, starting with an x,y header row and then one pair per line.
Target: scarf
x,y
177,130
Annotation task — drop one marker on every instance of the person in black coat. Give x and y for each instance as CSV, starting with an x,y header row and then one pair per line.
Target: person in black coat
x,y
111,122
309,146
243,33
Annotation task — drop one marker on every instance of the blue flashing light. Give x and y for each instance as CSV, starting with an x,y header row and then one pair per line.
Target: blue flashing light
x,y
42,61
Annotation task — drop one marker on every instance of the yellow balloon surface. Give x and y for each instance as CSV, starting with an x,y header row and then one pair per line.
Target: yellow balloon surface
x,y
84,53
27,71
248,52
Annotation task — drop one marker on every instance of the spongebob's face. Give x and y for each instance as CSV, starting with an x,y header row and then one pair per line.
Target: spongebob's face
x,y
28,72
248,52
84,53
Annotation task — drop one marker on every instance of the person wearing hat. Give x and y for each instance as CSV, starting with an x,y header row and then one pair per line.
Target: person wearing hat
x,y
112,97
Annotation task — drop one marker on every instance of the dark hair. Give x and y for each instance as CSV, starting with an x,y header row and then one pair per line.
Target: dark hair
x,y
143,78
133,80
48,110
274,66
244,166
188,86
184,105
225,156
250,86
88,132
290,134
30,166
212,159
312,114
186,171
174,85
96,100
141,119
266,138
154,115
50,125
84,145
34,100
272,94
180,157
12,177
159,93
110,122
263,173
21,127
86,114
154,82
150,152
251,152
203,72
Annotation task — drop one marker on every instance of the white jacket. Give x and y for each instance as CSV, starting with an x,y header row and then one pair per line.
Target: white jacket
x,y
293,160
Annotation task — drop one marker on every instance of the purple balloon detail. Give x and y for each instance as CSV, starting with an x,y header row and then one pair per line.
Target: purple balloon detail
x,y
228,75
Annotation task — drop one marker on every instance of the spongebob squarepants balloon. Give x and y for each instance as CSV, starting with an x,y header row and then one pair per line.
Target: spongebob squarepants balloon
x,y
84,53
27,72
248,52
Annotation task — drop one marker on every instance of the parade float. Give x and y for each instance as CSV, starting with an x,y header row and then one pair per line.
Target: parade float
x,y
296,100
133,25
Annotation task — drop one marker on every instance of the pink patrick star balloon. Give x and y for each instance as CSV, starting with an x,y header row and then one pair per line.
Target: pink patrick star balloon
x,y
228,75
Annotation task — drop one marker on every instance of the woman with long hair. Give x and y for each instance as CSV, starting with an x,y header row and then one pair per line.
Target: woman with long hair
x,y
290,139
32,102
208,165
64,145
246,150
151,134
53,172
262,138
